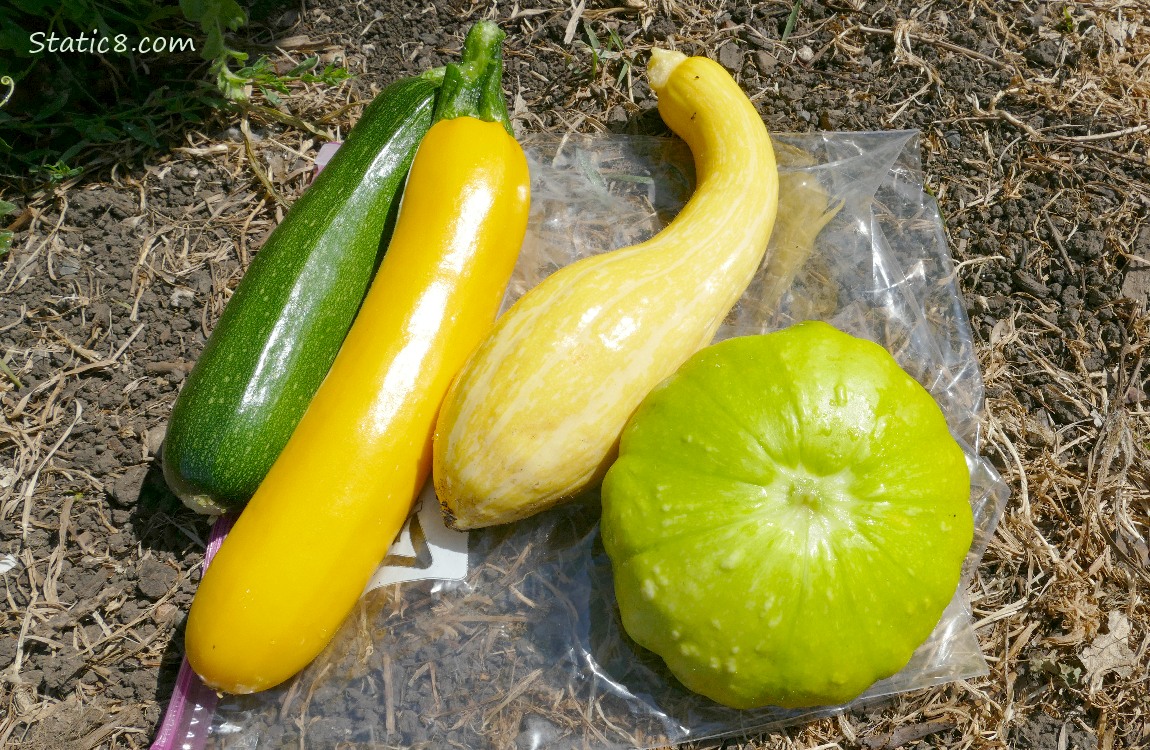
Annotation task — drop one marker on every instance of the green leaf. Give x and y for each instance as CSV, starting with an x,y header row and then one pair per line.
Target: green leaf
x,y
160,13
141,134
304,66
98,131
232,15
613,40
52,107
594,40
214,16
333,76
214,47
55,173
624,69
231,85
15,40
226,13
74,149
792,19
194,10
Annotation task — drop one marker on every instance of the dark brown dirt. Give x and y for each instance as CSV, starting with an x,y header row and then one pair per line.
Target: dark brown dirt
x,y
109,291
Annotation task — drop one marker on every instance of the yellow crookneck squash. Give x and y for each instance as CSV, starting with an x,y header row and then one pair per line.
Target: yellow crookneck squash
x,y
535,416
320,523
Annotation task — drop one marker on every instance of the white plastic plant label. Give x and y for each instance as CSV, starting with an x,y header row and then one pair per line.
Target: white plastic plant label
x,y
425,549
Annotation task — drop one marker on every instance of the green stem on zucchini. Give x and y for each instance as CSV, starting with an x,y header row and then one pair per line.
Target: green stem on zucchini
x,y
473,86
435,75
492,103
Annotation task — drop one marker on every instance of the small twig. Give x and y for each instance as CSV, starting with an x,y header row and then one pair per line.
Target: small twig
x,y
335,114
1057,237
260,174
287,119
25,626
1105,136
22,220
56,559
943,44
388,695
978,261
512,694
1014,120
60,376
167,368
1039,137
96,737
215,148
573,22
119,350
905,734
30,487
39,247
86,353
244,232
1139,160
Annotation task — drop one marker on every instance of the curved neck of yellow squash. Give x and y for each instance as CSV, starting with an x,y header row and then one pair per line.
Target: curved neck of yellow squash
x,y
728,140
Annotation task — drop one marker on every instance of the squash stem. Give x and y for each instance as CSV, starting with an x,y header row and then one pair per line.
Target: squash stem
x,y
492,103
473,86
662,63
435,75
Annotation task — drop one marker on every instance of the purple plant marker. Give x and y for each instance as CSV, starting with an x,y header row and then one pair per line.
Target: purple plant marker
x,y
324,156
189,714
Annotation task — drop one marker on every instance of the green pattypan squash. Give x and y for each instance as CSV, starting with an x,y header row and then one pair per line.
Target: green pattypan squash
x,y
787,518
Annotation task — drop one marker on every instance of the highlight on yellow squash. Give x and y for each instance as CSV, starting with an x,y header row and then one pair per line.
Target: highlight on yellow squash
x,y
535,416
319,524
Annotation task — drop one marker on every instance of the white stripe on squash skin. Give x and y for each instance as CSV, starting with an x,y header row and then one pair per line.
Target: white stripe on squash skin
x,y
534,417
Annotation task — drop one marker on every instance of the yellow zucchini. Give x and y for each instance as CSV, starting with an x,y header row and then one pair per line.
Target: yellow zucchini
x,y
319,524
534,417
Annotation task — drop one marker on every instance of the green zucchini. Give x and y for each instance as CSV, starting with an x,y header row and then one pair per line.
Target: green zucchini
x,y
281,329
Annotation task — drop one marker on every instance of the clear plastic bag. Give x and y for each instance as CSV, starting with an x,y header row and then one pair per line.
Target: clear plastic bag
x,y
527,651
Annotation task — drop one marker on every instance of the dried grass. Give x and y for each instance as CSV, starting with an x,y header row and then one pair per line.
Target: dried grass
x,y
37,492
